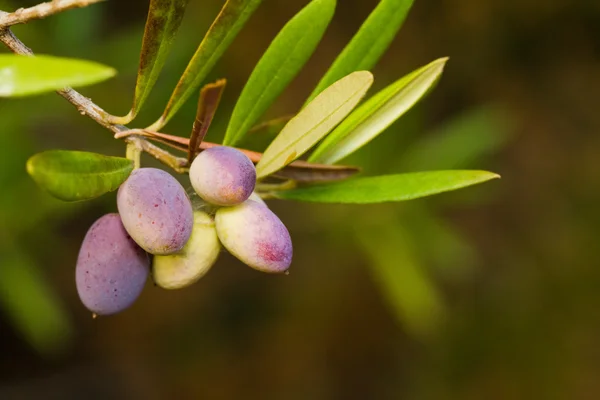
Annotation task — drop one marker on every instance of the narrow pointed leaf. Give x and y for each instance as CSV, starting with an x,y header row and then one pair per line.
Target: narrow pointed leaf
x,y
282,61
315,121
78,175
164,18
227,25
388,188
210,97
370,42
29,75
376,114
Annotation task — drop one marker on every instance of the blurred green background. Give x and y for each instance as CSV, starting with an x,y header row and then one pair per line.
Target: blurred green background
x,y
490,292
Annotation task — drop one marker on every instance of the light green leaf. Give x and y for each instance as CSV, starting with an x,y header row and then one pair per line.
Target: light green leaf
x,y
369,43
378,189
227,25
78,175
282,61
376,114
28,75
314,121
164,18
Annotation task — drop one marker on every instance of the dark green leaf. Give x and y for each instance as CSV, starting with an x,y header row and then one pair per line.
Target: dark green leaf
x,y
78,175
28,75
282,61
386,188
164,18
231,19
377,113
369,43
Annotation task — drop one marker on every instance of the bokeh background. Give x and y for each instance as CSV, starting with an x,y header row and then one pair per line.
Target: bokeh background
x,y
490,292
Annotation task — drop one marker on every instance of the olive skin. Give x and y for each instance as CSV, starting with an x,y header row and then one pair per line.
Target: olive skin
x,y
223,176
111,268
155,210
255,235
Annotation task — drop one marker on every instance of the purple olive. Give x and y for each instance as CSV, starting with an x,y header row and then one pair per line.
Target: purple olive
x,y
111,268
255,235
223,176
155,210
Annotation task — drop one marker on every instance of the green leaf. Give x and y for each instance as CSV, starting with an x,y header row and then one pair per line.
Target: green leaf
x,y
78,175
231,19
164,18
386,188
376,114
369,43
314,121
282,61
29,75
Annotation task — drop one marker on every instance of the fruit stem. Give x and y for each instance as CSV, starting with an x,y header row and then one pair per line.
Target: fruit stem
x,y
133,153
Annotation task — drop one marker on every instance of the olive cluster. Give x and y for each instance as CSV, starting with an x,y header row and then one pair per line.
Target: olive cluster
x,y
157,229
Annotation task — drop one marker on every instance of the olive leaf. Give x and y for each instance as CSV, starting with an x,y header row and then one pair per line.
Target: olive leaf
x,y
386,188
164,19
316,120
370,42
282,61
377,113
78,175
227,25
28,75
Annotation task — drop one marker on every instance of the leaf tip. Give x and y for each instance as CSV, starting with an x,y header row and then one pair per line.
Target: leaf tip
x,y
488,176
366,75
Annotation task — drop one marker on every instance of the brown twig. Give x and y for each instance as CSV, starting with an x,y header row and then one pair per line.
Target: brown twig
x,y
87,107
42,10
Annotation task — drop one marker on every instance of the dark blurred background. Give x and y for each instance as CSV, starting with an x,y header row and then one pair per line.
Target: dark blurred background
x,y
490,292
